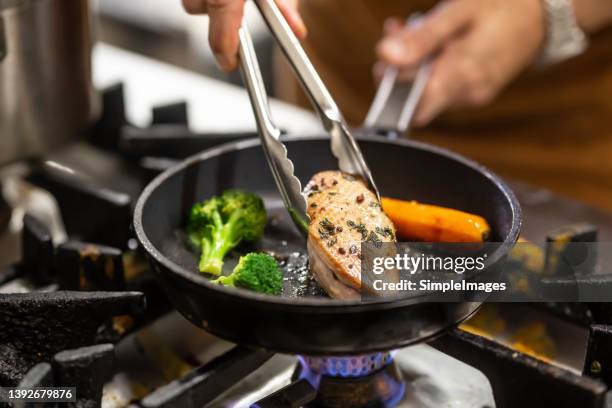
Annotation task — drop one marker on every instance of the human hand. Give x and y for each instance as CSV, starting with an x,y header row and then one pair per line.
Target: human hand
x,y
477,47
225,21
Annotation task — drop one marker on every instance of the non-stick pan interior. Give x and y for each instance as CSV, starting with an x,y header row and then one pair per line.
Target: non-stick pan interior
x,y
404,170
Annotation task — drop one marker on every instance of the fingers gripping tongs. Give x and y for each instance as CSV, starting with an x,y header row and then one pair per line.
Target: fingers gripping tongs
x,y
343,145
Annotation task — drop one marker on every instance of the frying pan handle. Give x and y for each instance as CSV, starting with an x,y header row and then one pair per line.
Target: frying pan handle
x,y
396,101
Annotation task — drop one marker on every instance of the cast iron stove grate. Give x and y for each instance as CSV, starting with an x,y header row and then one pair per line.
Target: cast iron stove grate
x,y
89,294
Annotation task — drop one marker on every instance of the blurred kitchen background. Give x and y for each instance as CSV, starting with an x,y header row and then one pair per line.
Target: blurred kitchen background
x,y
167,33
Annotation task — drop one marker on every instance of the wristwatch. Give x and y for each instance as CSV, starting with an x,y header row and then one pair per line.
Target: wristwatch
x,y
564,39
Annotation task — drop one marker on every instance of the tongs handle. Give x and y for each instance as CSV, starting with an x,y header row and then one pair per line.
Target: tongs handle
x,y
343,145
282,168
305,71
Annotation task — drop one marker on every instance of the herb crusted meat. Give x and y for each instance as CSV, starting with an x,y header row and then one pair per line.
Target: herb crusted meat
x,y
343,213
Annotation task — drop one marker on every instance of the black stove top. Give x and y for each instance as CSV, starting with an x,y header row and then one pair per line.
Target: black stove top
x,y
88,293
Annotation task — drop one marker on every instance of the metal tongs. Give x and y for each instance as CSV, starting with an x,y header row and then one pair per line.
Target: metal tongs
x,y
343,145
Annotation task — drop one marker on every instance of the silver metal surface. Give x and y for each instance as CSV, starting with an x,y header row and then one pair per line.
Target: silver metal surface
x,y
281,166
396,101
46,92
163,351
23,197
343,145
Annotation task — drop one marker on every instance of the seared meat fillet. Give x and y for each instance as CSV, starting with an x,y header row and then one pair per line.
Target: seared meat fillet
x,y
343,213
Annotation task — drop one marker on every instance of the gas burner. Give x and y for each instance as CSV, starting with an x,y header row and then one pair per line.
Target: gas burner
x,y
353,381
346,366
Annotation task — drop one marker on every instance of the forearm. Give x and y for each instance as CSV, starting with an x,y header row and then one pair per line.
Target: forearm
x,y
593,15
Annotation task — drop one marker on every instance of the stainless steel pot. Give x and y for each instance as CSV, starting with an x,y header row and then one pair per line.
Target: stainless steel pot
x,y
46,91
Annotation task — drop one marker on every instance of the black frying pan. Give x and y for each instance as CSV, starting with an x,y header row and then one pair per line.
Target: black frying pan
x,y
303,320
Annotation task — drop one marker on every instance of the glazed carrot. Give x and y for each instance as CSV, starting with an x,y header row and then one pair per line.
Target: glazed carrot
x,y
430,223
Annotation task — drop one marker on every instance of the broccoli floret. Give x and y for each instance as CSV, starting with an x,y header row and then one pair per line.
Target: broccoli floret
x,y
258,272
220,223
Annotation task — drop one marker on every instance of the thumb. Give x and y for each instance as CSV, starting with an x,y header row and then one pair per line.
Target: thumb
x,y
428,35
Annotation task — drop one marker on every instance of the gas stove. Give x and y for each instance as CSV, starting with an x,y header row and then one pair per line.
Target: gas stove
x,y
80,307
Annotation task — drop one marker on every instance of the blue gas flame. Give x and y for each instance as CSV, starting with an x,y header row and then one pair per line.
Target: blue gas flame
x,y
312,371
